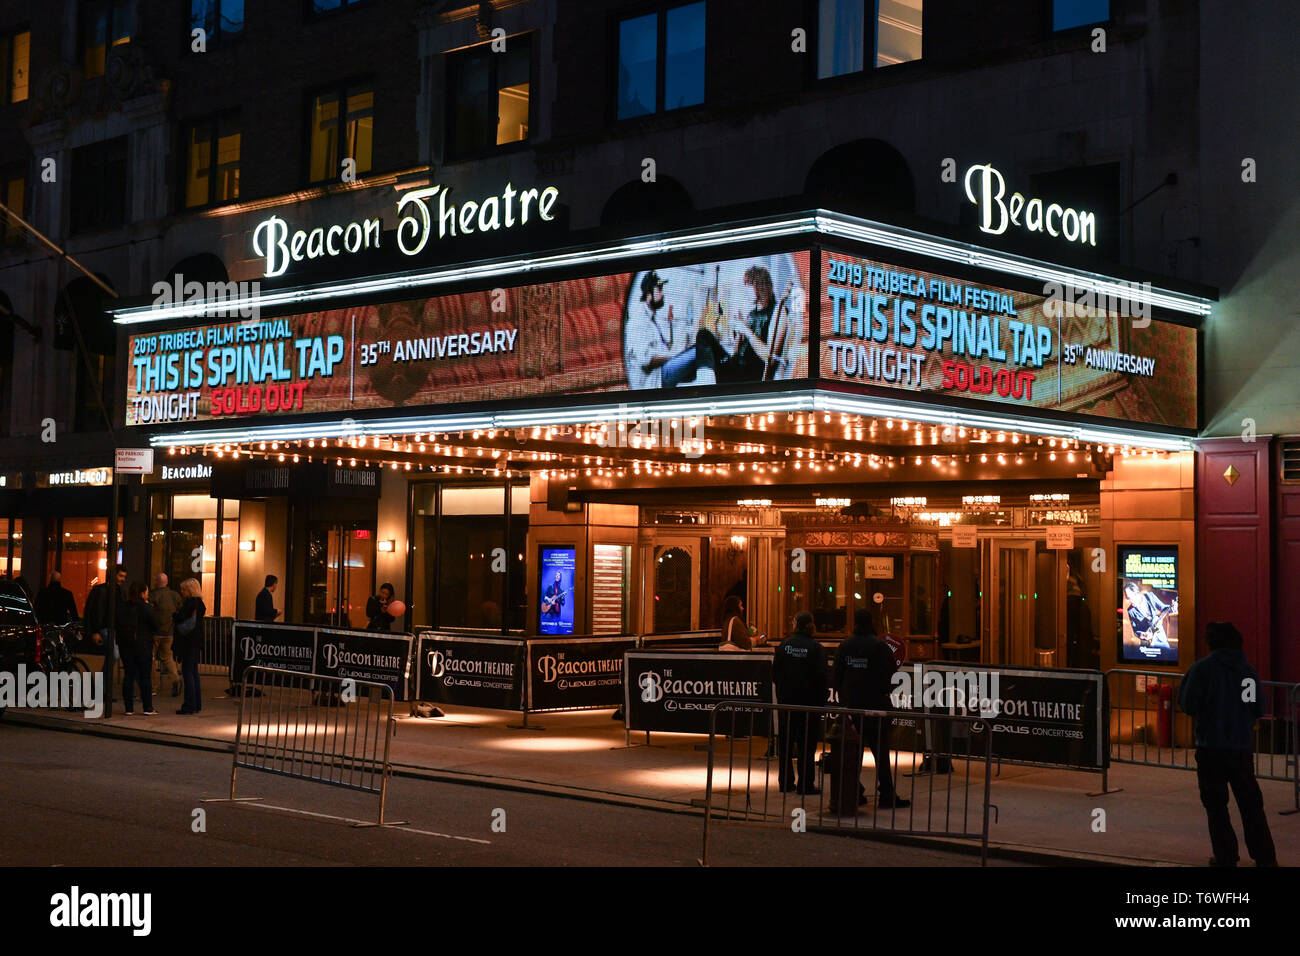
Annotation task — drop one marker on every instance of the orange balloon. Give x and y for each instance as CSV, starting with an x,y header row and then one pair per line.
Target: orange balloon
x,y
396,608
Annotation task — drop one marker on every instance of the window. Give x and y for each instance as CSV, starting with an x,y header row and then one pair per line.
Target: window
x,y
212,161
344,117
103,24
661,61
99,185
218,19
13,192
328,6
847,30
1067,14
488,96
15,66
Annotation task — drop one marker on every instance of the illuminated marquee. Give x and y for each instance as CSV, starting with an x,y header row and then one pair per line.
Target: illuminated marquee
x,y
419,219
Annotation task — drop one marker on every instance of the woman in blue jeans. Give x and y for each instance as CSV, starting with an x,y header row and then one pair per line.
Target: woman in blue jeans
x,y
189,642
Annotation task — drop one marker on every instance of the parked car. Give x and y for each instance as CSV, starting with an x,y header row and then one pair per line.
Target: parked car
x,y
20,634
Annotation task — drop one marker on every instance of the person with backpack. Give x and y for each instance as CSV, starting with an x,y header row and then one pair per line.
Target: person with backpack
x,y
137,625
188,628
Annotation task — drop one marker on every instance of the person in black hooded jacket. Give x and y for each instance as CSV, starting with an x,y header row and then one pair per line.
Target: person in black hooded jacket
x,y
864,666
137,625
1221,691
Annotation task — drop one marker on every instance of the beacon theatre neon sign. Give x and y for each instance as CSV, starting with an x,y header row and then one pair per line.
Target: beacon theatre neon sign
x,y
985,187
419,218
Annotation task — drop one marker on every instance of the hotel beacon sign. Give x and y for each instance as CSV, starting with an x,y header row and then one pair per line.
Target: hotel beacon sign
x,y
987,189
423,214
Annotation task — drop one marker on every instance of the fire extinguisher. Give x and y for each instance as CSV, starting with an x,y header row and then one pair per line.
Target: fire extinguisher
x,y
1165,716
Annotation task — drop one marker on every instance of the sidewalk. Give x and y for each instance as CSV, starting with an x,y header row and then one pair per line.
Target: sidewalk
x,y
1154,818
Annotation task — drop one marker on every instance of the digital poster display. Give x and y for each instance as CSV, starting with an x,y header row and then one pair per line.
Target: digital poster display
x,y
1148,605
715,323
893,327
555,610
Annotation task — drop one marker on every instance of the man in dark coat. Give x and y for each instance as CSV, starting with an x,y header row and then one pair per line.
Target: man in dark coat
x,y
55,604
799,675
264,609
1221,691
864,666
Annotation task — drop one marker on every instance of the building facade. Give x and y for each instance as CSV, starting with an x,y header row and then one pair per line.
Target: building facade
x,y
177,160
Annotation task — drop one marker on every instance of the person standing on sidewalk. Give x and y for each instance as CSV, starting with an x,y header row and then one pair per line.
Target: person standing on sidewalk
x,y
1221,691
165,602
137,625
864,665
189,643
799,674
264,609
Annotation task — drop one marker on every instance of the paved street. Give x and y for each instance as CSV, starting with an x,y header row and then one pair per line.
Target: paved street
x,y
78,800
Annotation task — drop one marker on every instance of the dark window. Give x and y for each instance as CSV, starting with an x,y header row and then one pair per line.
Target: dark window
x,y
15,67
13,192
80,309
220,20
661,61
853,33
488,96
212,161
340,119
316,7
99,185
103,24
6,365
1067,14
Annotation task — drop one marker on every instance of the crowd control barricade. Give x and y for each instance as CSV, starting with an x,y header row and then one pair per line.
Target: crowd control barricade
x,y
747,785
1148,728
218,645
328,729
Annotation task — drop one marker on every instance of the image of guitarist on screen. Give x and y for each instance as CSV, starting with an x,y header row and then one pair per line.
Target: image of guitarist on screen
x,y
1147,614
553,597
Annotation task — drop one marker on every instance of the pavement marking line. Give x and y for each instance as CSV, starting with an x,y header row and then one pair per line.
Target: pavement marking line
x,y
330,816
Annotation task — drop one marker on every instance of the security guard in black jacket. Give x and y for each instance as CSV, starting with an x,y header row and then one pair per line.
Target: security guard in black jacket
x,y
864,666
799,673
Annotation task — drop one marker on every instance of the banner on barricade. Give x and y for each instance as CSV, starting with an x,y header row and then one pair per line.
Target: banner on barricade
x,y
576,674
674,692
471,671
282,646
365,656
1038,716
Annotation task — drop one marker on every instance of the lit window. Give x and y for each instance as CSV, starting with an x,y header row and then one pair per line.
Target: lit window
x,y
352,126
103,24
212,161
13,191
218,19
661,61
847,31
15,56
488,96
1067,14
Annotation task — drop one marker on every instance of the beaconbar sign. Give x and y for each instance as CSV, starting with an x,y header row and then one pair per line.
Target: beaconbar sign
x,y
897,328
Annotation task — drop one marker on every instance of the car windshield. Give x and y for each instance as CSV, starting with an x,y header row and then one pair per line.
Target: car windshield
x,y
14,607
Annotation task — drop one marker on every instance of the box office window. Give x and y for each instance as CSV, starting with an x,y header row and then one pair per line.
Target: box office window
x,y
340,126
661,61
488,96
852,34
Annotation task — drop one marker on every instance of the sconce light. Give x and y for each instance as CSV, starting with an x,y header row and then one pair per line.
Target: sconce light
x,y
249,545
738,540
386,544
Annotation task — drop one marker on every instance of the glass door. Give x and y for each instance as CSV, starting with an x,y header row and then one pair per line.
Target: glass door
x,y
1011,612
340,572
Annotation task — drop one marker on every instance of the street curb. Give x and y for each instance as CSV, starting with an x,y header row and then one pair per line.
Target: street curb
x,y
1021,853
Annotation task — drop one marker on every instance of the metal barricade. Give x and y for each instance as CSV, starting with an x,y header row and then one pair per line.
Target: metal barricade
x,y
330,730
218,646
765,786
1148,728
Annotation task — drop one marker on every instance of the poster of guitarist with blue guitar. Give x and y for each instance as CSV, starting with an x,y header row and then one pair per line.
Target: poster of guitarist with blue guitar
x,y
556,615
1149,604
